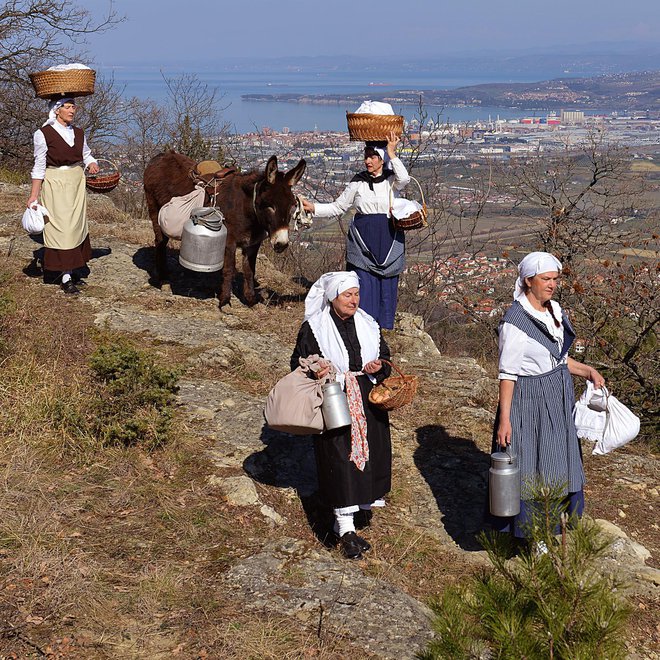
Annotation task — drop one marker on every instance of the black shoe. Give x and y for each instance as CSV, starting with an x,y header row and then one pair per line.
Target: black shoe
x,y
363,543
350,545
69,287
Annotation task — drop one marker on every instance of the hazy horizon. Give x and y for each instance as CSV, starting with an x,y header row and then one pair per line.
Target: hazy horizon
x,y
169,32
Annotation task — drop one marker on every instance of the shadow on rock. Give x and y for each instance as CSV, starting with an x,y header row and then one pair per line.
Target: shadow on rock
x,y
183,282
36,266
456,471
287,461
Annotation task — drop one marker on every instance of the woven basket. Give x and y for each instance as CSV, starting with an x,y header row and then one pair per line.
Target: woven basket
x,y
395,391
416,220
57,84
363,127
103,182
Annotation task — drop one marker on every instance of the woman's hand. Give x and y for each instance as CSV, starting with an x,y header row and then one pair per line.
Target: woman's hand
x,y
596,378
93,168
504,432
32,202
372,367
307,205
392,141
322,372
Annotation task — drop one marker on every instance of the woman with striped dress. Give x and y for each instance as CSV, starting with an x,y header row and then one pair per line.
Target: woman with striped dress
x,y
536,397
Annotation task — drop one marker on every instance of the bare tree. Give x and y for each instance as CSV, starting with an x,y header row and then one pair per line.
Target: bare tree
x,y
33,31
33,35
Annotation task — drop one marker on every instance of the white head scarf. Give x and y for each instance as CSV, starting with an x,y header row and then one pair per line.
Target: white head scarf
x,y
54,106
317,314
327,288
533,264
384,155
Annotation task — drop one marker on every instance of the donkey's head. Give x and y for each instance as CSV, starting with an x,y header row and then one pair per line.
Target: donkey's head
x,y
275,203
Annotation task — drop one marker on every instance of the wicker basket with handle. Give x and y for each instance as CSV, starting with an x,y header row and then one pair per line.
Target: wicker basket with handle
x,y
395,391
364,127
57,84
416,220
103,181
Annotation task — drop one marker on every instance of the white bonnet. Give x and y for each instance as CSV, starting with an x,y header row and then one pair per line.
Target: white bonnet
x,y
533,264
327,288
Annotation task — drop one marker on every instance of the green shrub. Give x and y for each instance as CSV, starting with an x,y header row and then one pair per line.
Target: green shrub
x,y
538,606
134,406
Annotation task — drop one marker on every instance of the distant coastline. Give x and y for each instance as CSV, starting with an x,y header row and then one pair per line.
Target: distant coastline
x,y
639,91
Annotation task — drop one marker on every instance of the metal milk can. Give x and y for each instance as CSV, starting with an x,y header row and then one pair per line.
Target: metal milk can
x,y
203,240
504,484
335,407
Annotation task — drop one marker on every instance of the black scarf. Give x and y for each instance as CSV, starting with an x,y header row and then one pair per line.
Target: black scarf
x,y
365,176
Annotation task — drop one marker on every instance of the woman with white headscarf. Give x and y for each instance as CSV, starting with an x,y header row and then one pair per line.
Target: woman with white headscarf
x,y
374,250
58,179
354,464
536,397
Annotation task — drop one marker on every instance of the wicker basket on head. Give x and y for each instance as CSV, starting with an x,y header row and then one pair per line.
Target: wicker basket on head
x,y
363,127
103,181
57,84
395,391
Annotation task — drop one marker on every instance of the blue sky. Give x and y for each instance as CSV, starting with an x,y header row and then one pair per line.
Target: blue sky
x,y
170,31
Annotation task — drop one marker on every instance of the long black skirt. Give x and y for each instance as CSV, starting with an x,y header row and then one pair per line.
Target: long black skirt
x,y
341,484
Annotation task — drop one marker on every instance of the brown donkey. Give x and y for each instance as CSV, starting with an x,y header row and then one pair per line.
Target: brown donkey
x,y
256,205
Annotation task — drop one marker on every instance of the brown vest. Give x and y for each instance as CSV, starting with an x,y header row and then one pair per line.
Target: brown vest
x,y
59,152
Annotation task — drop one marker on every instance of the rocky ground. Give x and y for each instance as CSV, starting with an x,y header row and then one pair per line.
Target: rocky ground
x,y
441,453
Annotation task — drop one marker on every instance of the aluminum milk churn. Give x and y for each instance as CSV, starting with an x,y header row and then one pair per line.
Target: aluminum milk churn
x,y
203,240
504,484
335,407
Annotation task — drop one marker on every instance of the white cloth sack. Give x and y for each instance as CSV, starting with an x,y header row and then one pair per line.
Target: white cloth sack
x,y
611,428
34,219
621,426
173,215
590,420
374,108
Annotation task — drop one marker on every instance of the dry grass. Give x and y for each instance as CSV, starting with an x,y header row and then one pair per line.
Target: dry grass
x,y
106,552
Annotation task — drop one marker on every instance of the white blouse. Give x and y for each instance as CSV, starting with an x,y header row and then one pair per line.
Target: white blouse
x,y
41,149
520,355
358,195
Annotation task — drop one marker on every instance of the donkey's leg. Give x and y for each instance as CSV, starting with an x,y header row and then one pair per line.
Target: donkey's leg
x,y
159,274
227,276
249,266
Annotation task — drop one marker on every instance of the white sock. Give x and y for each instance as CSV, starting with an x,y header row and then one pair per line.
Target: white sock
x,y
377,504
344,522
66,277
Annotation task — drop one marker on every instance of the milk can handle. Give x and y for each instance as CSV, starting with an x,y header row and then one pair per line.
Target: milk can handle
x,y
507,452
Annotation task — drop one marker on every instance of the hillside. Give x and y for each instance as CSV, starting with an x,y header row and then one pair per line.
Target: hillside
x,y
213,546
622,92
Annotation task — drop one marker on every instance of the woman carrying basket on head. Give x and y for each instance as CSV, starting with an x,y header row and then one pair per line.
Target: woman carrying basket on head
x,y
536,397
374,250
60,150
354,464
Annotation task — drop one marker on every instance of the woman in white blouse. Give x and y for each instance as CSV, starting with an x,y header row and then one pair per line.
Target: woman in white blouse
x,y
60,150
374,250
536,398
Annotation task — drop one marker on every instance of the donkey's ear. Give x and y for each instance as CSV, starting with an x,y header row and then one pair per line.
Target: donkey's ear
x,y
271,170
293,176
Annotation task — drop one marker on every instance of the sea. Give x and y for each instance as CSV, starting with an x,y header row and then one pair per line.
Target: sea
x,y
245,116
